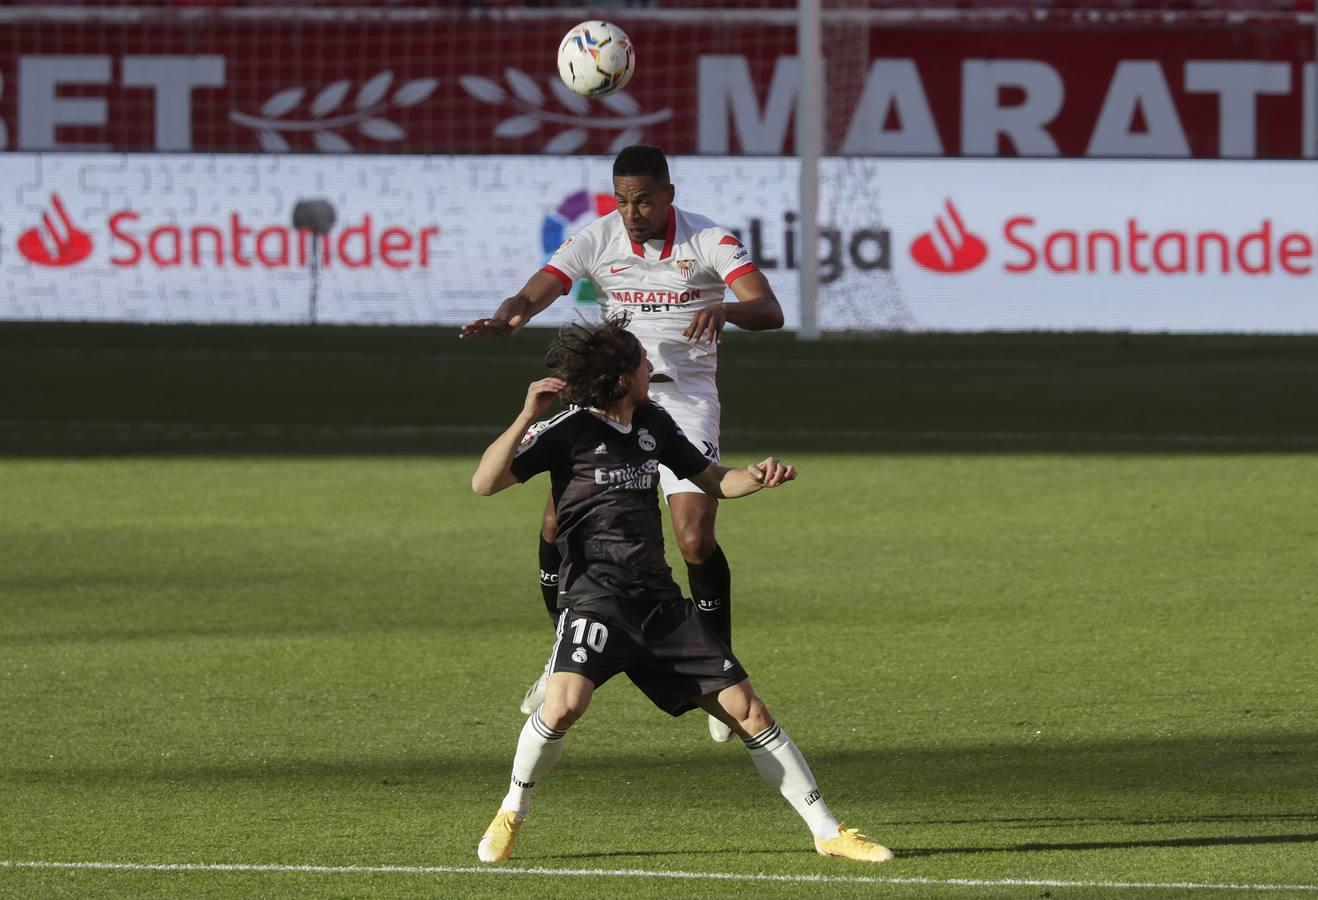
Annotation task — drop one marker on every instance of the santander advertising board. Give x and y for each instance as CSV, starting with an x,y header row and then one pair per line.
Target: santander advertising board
x,y
1106,245
906,243
1030,244
136,240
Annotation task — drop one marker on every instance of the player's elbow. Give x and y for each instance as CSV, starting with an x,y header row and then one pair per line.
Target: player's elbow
x,y
768,316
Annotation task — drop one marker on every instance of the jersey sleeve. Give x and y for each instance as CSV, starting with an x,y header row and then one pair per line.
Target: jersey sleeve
x,y
539,450
573,259
727,256
676,452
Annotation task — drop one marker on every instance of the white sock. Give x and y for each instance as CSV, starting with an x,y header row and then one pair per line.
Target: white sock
x,y
781,764
538,749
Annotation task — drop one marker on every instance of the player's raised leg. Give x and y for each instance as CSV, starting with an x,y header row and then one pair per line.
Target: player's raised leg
x,y
707,570
693,513
539,748
781,764
550,562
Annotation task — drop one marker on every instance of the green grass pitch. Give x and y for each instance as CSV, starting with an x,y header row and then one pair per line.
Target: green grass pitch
x,y
1035,654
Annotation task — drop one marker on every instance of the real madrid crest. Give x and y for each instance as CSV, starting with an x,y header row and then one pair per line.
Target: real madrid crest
x,y
645,439
685,267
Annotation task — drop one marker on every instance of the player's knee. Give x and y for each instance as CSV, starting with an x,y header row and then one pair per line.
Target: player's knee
x,y
757,717
744,705
696,542
560,714
549,527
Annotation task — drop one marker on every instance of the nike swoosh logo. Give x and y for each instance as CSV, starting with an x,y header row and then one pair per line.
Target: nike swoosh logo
x,y
614,270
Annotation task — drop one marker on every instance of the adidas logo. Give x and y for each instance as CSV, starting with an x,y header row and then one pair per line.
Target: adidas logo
x,y
727,664
601,449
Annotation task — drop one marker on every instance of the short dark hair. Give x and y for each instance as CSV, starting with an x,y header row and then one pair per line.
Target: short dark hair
x,y
592,359
642,159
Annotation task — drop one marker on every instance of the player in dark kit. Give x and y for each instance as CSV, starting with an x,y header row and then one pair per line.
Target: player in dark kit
x,y
619,609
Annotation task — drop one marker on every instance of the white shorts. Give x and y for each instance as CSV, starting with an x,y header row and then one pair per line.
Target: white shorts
x,y
698,417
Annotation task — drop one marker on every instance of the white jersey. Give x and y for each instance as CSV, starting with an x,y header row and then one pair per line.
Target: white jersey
x,y
661,283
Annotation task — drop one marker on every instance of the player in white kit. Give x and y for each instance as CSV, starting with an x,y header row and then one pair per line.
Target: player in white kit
x,y
670,270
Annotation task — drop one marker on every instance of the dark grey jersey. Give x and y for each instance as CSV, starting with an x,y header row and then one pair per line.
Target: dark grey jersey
x,y
604,476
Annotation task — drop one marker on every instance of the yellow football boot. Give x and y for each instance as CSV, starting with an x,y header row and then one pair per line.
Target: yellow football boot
x,y
499,839
851,844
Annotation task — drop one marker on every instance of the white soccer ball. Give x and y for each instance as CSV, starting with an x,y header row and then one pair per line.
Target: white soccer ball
x,y
596,59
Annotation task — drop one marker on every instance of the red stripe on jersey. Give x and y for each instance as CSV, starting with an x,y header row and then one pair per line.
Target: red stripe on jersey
x,y
562,278
638,249
738,272
729,239
669,233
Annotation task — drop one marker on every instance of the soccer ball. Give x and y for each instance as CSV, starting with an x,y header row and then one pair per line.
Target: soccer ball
x,y
596,59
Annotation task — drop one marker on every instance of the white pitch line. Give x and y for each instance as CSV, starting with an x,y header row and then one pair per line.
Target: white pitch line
x,y
643,873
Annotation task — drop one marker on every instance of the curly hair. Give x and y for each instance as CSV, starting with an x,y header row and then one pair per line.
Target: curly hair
x,y
593,358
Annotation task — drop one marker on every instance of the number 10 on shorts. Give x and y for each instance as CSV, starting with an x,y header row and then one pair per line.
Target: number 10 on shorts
x,y
593,634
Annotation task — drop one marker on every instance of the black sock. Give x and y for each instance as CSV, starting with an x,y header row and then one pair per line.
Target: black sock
x,y
711,589
550,560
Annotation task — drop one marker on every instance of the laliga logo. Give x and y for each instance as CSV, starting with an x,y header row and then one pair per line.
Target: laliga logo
x,y
949,250
49,245
577,207
553,230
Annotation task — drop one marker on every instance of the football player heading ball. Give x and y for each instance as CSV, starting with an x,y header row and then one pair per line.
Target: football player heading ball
x,y
669,269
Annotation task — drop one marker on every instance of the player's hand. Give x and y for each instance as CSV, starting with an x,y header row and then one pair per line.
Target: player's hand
x,y
707,325
772,472
510,316
490,327
540,394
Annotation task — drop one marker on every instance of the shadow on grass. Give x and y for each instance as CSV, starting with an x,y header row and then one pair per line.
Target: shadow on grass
x,y
1255,771
915,852
1253,790
1081,821
1227,841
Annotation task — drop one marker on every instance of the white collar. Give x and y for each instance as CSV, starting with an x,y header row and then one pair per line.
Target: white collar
x,y
617,426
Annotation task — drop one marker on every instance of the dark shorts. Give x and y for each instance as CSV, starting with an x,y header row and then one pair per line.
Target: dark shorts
x,y
663,647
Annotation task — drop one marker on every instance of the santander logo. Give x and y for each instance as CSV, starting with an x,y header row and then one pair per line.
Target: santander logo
x,y
363,243
949,248
55,245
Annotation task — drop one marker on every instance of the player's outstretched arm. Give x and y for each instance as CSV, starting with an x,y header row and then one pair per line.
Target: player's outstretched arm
x,y
534,297
728,484
495,470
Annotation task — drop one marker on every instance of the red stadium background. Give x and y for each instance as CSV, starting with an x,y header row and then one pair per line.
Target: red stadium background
x,y
982,82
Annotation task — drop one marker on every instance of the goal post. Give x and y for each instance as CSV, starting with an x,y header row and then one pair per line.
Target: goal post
x,y
809,148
